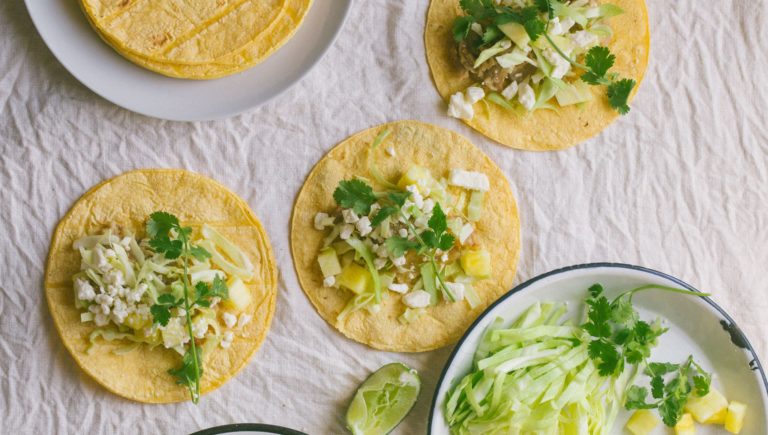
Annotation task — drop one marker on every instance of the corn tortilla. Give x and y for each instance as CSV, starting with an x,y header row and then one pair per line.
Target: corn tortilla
x,y
439,150
127,200
542,130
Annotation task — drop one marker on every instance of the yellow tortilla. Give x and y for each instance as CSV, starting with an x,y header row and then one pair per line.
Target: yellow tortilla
x,y
439,150
127,200
193,39
542,130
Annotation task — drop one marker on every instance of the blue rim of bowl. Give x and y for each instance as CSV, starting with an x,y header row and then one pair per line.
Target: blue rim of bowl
x,y
734,329
243,427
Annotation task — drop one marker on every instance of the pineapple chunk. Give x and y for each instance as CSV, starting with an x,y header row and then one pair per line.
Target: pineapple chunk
x,y
355,277
705,407
718,418
476,263
642,422
329,262
685,426
414,175
239,295
734,420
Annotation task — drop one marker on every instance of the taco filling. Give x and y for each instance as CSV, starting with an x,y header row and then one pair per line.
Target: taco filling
x,y
414,239
174,289
535,54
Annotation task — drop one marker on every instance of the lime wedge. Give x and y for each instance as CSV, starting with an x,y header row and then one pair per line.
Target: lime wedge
x,y
383,400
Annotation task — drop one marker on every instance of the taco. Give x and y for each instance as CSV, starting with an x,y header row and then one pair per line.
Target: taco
x,y
161,284
403,234
537,75
196,41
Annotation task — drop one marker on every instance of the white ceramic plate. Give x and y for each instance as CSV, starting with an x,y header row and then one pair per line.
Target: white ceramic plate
x,y
697,327
65,29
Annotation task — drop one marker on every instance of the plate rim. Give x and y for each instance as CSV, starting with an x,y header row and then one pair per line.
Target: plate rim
x,y
347,7
528,283
242,427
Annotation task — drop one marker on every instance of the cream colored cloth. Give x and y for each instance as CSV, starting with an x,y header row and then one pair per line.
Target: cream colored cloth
x,y
679,185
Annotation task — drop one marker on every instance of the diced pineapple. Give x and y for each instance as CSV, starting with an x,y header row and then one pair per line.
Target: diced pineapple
x,y
354,277
516,33
685,426
718,418
642,422
329,262
703,408
414,175
476,263
239,295
734,419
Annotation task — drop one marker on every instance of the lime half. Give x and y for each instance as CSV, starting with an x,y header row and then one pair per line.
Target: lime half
x,y
383,400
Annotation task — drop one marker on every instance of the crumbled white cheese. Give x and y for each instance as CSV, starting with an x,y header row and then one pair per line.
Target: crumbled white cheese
x,y
510,91
477,28
398,288
474,94
526,96
560,66
350,216
399,261
200,327
101,319
457,289
420,222
555,28
226,341
465,232
459,107
346,231
416,197
444,257
429,205
417,299
402,232
364,226
391,151
115,277
102,264
379,262
85,291
584,38
104,299
322,220
329,281
229,319
469,180
119,311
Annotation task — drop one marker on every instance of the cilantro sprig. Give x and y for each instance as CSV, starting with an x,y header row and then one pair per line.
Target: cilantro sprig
x,y
169,238
620,338
360,197
535,19
671,386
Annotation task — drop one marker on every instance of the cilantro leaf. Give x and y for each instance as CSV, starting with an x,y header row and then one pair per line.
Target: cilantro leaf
x,y
606,355
171,249
160,314
189,372
657,386
355,194
399,198
491,35
461,28
446,242
438,222
430,239
618,94
599,59
535,28
398,246
599,314
160,223
201,254
546,7
636,398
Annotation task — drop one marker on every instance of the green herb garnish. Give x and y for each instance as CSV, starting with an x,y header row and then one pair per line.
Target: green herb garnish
x,y
169,238
670,395
355,194
597,61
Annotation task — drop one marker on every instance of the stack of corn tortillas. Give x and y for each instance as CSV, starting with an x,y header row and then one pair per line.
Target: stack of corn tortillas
x,y
195,39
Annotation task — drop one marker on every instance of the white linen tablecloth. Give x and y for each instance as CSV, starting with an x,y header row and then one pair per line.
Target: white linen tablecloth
x,y
679,185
